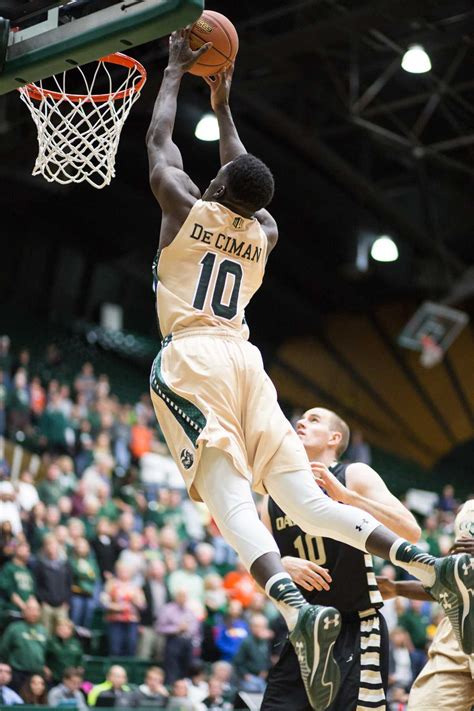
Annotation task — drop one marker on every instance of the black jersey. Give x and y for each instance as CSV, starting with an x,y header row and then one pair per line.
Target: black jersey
x,y
353,585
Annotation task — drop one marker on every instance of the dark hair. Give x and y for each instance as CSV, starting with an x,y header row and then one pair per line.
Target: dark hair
x,y
28,696
250,182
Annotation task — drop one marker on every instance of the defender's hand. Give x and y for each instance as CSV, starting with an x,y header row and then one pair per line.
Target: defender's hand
x,y
181,56
306,574
463,545
329,482
220,87
387,587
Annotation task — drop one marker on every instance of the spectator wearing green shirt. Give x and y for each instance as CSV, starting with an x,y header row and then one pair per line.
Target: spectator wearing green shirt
x,y
63,649
252,660
16,581
85,576
51,488
54,425
24,645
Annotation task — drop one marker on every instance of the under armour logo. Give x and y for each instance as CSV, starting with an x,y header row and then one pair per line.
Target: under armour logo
x,y
332,621
350,658
444,601
467,567
283,587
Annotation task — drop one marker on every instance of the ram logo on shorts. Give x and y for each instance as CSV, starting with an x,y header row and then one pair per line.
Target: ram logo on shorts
x,y
187,458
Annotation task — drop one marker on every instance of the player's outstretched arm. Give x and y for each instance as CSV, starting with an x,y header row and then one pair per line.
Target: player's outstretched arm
x,y
410,589
367,490
171,186
230,145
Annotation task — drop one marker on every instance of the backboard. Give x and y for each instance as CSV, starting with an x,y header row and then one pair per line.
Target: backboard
x,y
434,322
40,38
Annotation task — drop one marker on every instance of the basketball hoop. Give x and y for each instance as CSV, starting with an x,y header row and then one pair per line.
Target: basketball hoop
x,y
431,352
79,133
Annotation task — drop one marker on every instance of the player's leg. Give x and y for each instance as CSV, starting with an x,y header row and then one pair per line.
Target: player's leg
x,y
285,689
450,580
314,629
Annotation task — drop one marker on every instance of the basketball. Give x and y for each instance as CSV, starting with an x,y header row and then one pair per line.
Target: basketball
x,y
216,28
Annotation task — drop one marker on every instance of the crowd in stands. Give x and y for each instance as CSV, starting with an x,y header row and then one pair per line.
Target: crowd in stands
x,y
103,554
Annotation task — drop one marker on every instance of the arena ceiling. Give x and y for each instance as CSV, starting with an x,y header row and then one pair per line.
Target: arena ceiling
x,y
358,148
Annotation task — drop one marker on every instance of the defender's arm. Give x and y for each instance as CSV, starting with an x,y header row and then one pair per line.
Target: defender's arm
x,y
366,490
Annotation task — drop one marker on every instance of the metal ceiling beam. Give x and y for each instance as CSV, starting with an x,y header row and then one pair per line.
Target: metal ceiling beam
x,y
353,182
323,31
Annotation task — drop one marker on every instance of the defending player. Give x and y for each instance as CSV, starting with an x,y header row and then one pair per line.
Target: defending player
x,y
447,679
333,573
215,404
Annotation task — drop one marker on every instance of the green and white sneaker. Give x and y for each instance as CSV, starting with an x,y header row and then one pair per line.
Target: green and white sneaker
x,y
454,590
313,638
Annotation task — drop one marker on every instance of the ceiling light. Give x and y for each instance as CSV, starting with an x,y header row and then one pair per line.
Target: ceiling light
x,y
384,249
416,60
207,128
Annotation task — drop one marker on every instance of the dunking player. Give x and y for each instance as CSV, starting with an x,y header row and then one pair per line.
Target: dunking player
x,y
333,573
215,404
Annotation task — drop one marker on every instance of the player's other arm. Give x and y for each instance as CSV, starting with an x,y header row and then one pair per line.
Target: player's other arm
x,y
230,144
172,187
410,589
366,490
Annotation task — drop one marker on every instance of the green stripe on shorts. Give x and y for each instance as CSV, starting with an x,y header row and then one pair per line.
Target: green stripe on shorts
x,y
186,413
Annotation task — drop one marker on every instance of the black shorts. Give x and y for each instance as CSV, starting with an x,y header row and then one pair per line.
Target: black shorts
x,y
363,680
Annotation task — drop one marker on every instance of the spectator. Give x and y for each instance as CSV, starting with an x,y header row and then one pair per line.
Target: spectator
x,y
230,635
16,581
37,398
67,694
33,692
85,576
187,578
18,404
27,495
126,526
400,662
6,359
180,626
141,437
134,558
179,699
123,601
63,650
3,403
7,543
9,507
53,582
215,698
359,450
24,645
151,644
114,691
55,428
198,687
240,584
205,553
153,694
447,502
85,382
223,672
8,697
252,661
105,547
99,474
51,488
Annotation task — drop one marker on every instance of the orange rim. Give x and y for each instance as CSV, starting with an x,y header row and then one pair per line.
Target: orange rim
x,y
37,93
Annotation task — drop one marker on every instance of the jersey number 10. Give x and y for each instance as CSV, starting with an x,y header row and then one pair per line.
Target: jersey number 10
x,y
226,267
311,548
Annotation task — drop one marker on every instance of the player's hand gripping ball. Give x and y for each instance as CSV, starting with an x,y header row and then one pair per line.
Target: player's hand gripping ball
x,y
216,28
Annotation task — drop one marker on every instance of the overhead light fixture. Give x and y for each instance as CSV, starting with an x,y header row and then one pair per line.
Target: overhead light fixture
x,y
384,249
416,60
207,128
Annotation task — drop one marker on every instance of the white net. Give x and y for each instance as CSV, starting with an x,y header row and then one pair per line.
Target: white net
x,y
79,133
